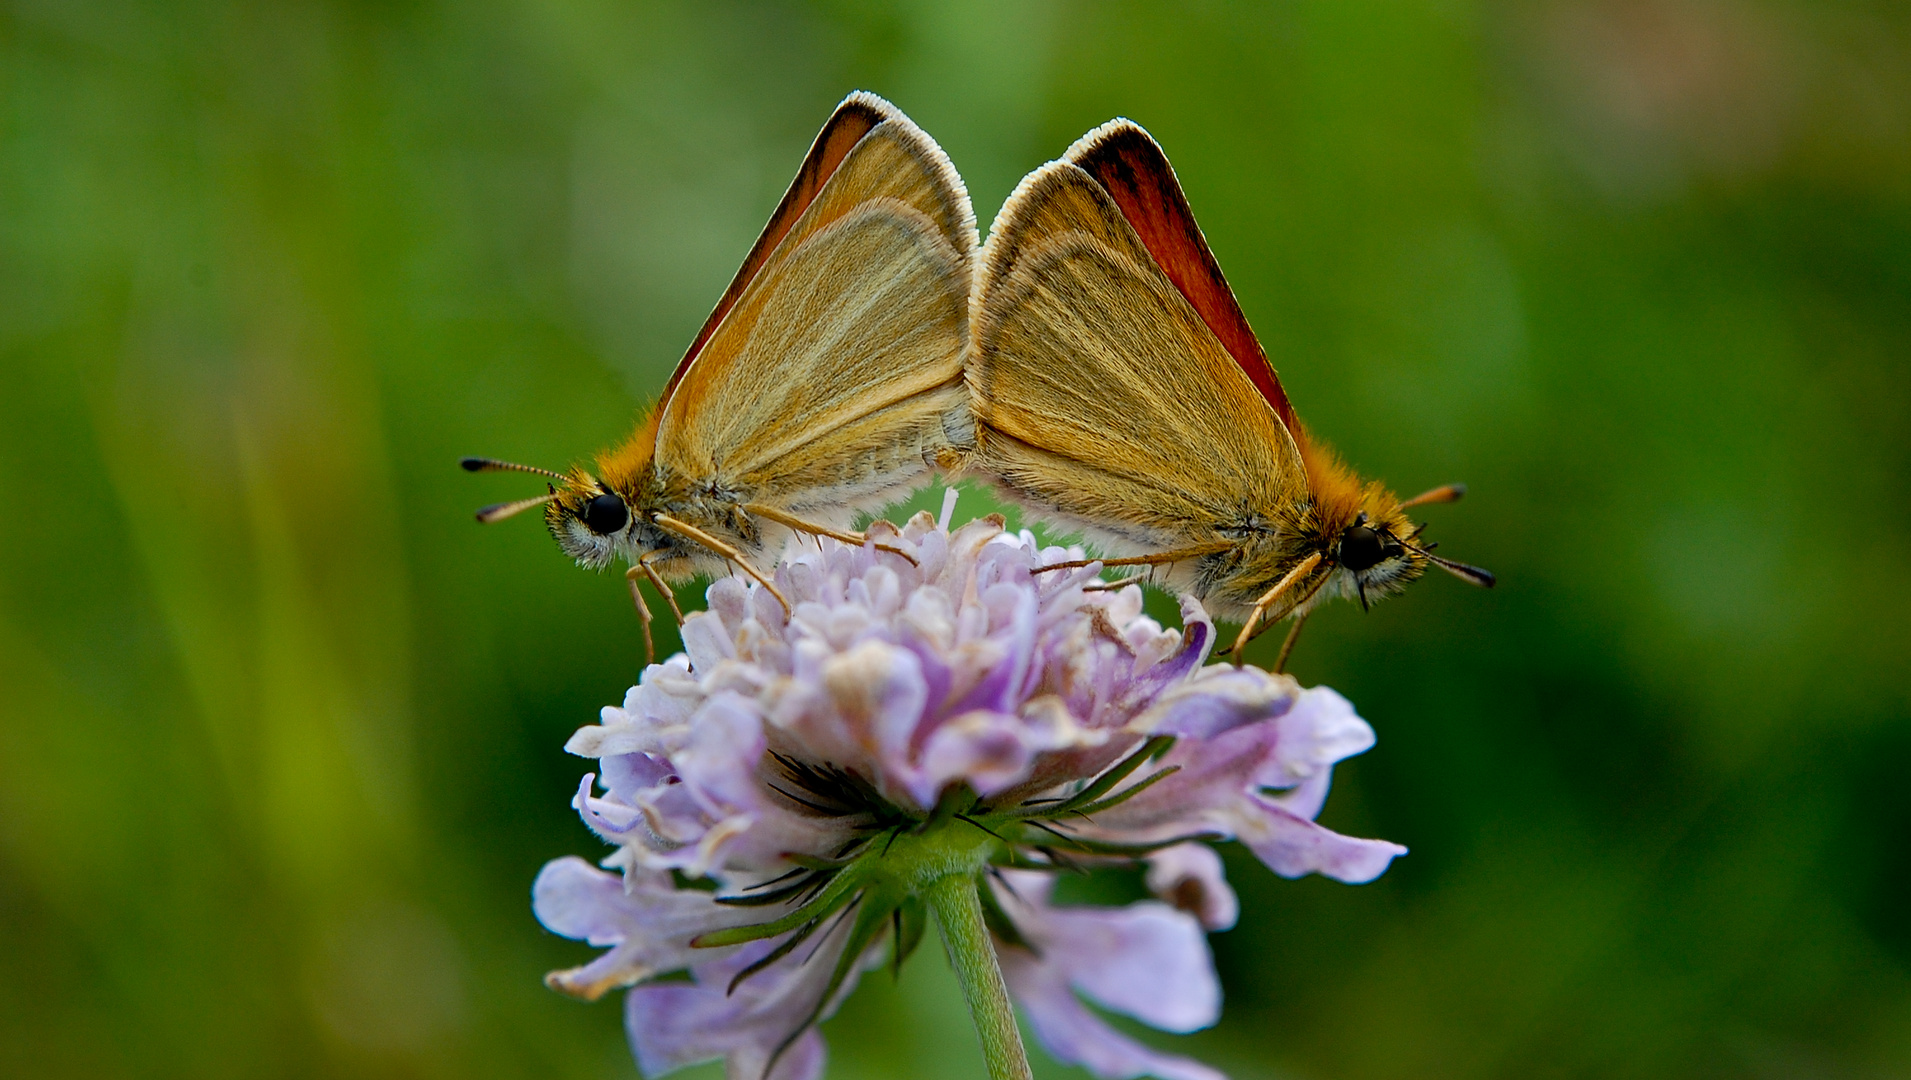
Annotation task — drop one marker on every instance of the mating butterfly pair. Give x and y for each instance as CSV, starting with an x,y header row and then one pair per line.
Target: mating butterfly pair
x,y
1089,362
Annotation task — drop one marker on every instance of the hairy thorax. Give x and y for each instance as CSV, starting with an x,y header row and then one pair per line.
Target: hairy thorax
x,y
709,504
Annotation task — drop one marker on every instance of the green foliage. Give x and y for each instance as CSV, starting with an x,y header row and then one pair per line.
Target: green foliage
x,y
280,727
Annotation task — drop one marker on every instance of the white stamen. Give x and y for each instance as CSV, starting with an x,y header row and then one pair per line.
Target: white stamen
x,y
949,498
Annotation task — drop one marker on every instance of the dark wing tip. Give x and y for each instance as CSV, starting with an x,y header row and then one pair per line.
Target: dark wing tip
x,y
1109,139
1131,166
874,106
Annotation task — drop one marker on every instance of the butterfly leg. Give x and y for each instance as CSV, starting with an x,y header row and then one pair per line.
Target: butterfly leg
x,y
1287,646
1267,601
1294,632
643,613
1159,558
723,548
791,521
646,564
1111,586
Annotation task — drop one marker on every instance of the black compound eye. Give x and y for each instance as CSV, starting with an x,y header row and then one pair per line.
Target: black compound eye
x,y
1360,548
605,515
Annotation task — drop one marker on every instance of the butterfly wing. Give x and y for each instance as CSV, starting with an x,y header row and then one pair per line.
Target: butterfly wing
x,y
1127,162
833,376
852,120
1107,397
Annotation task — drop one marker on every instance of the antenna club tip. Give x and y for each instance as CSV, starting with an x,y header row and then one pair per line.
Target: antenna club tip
x,y
485,464
1445,493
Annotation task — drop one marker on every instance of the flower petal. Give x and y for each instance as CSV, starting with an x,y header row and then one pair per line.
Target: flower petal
x,y
990,750
1189,876
706,641
1195,639
722,813
1220,782
655,713
1072,1034
675,1024
1146,960
647,921
1321,730
1216,700
1291,846
879,697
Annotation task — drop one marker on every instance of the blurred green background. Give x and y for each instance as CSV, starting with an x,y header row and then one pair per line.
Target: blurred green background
x,y
280,727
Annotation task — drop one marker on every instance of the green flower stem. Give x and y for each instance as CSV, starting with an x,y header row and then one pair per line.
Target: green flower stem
x,y
958,911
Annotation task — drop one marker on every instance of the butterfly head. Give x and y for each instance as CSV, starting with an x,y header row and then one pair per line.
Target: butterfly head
x,y
591,521
1379,551
1373,555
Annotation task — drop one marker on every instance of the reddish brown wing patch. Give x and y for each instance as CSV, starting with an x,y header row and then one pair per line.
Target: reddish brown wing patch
x,y
854,118
1130,166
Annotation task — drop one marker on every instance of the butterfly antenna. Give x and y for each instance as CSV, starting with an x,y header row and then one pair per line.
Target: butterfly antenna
x,y
1445,493
1472,575
485,464
500,511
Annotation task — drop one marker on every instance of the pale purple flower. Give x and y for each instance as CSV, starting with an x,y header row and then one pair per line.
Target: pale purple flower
x,y
909,721
1147,960
671,1024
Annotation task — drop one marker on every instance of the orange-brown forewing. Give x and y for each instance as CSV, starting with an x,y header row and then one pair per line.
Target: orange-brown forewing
x,y
1105,398
827,382
1131,167
852,120
811,204
842,356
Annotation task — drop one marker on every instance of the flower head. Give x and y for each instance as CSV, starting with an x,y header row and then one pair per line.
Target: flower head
x,y
954,711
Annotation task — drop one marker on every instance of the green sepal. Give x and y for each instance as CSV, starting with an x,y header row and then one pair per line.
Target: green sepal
x,y
774,955
954,801
1102,785
910,922
1062,863
771,896
871,914
1126,793
811,862
834,895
